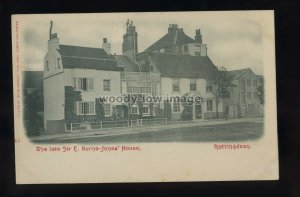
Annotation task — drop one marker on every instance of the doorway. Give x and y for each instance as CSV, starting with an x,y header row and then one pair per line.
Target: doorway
x,y
198,112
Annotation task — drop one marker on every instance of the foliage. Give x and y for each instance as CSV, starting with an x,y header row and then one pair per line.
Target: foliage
x,y
223,82
33,103
117,111
99,109
71,97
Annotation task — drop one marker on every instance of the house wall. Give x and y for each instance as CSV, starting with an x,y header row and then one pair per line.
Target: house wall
x,y
98,77
239,106
167,91
52,59
54,98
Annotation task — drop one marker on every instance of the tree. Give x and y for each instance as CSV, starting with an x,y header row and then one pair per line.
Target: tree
x,y
223,82
33,104
261,91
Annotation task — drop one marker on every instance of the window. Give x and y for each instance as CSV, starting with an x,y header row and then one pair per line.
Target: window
x,y
47,65
243,84
106,85
85,84
185,48
58,63
255,95
248,82
193,85
134,110
138,90
250,107
208,86
175,84
106,107
209,105
255,83
145,110
176,107
85,108
248,95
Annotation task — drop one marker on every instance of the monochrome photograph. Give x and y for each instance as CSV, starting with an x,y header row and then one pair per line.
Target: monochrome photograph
x,y
178,85
126,86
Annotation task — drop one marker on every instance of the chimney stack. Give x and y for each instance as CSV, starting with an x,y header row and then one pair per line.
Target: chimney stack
x,y
172,27
198,37
53,42
106,46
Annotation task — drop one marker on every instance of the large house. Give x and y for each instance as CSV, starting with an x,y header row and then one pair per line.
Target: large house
x,y
174,66
243,100
185,70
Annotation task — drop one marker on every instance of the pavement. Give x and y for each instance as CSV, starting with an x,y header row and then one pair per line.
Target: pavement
x,y
139,129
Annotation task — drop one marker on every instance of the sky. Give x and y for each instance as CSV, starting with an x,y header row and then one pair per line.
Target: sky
x,y
234,39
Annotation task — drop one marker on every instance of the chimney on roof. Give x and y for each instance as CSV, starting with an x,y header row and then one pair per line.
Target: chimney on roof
x,y
53,42
172,28
198,37
106,46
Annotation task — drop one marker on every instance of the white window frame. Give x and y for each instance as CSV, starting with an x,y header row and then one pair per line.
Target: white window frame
x,y
107,110
134,107
78,84
148,109
176,107
175,80
209,105
109,85
82,104
193,82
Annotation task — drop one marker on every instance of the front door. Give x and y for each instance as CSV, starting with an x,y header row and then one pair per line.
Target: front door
x,y
198,112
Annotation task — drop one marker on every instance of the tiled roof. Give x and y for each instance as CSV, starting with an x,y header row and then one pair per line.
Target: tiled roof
x,y
127,64
176,37
87,58
183,66
235,74
33,79
79,51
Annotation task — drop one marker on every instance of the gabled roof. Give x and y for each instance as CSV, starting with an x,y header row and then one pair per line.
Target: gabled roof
x,y
236,74
87,58
175,37
33,79
127,64
183,66
79,51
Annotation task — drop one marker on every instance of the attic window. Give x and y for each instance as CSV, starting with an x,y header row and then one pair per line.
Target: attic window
x,y
58,63
175,85
47,65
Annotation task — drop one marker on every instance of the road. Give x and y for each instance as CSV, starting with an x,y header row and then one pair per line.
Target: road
x,y
233,131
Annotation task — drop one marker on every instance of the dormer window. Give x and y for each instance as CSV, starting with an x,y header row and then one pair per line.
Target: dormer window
x,y
175,85
58,63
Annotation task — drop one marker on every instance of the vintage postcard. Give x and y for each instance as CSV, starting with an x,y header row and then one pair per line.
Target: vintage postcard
x,y
144,97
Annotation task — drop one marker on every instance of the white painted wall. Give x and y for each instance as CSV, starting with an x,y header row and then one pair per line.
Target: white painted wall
x,y
167,85
52,58
98,77
54,98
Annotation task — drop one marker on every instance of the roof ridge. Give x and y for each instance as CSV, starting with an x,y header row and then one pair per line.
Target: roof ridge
x,y
88,57
80,46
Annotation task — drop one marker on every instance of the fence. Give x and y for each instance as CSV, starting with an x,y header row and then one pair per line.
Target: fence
x,y
116,124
